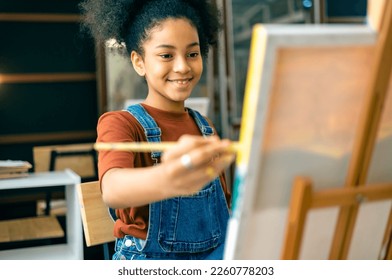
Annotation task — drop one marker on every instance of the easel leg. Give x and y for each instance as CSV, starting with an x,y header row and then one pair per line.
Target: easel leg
x,y
367,133
299,205
386,248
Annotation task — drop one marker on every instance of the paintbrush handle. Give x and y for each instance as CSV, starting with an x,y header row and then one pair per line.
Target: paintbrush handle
x,y
145,146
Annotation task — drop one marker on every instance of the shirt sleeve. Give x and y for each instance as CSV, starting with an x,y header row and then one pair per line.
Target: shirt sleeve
x,y
114,127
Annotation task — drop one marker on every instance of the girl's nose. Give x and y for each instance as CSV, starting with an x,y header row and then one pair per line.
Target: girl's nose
x,y
181,65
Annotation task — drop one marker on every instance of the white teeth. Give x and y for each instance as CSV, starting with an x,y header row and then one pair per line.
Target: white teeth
x,y
182,82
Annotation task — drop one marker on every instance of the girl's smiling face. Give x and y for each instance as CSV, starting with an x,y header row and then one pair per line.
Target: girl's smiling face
x,y
172,64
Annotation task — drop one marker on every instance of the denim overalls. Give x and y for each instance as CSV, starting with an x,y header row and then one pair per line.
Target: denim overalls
x,y
182,228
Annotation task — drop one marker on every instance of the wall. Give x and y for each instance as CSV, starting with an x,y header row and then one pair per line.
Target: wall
x,y
48,89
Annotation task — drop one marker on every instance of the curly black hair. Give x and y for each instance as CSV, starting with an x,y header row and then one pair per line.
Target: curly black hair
x,y
128,22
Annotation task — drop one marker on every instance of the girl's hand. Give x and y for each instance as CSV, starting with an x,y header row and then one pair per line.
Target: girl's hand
x,y
194,162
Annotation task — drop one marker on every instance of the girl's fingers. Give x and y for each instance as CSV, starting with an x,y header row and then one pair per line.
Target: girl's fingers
x,y
191,181
201,157
185,144
195,161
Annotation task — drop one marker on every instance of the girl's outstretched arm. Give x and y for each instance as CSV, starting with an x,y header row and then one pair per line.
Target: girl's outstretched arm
x,y
184,170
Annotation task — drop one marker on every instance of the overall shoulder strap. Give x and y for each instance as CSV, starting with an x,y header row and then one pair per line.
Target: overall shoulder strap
x,y
201,122
151,129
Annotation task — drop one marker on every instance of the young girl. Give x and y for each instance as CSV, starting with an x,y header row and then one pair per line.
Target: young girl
x,y
171,205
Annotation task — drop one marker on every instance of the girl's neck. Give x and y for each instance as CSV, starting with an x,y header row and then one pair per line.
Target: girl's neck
x,y
166,105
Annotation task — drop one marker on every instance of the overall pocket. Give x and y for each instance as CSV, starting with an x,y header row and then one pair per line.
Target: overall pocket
x,y
190,224
126,249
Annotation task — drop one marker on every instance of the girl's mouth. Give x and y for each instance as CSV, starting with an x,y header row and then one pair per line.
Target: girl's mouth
x,y
181,81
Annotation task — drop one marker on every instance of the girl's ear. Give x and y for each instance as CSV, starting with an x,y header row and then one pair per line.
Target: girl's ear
x,y
138,63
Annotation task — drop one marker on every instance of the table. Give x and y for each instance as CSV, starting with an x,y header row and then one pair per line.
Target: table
x,y
73,249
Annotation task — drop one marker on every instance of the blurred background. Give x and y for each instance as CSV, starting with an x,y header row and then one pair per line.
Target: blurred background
x,y
55,81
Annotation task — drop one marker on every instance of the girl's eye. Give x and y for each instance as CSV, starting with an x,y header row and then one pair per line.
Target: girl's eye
x,y
193,54
166,56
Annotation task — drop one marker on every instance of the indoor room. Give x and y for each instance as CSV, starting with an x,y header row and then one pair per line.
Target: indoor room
x,y
297,95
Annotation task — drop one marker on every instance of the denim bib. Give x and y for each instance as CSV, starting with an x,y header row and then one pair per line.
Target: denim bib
x,y
185,227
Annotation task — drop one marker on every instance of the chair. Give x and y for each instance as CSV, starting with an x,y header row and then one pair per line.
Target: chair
x,y
97,222
81,158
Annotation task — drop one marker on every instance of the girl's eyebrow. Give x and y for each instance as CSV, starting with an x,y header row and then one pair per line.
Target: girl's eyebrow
x,y
164,46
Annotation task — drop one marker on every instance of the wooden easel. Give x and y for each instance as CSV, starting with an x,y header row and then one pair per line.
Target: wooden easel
x,y
304,198
355,189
